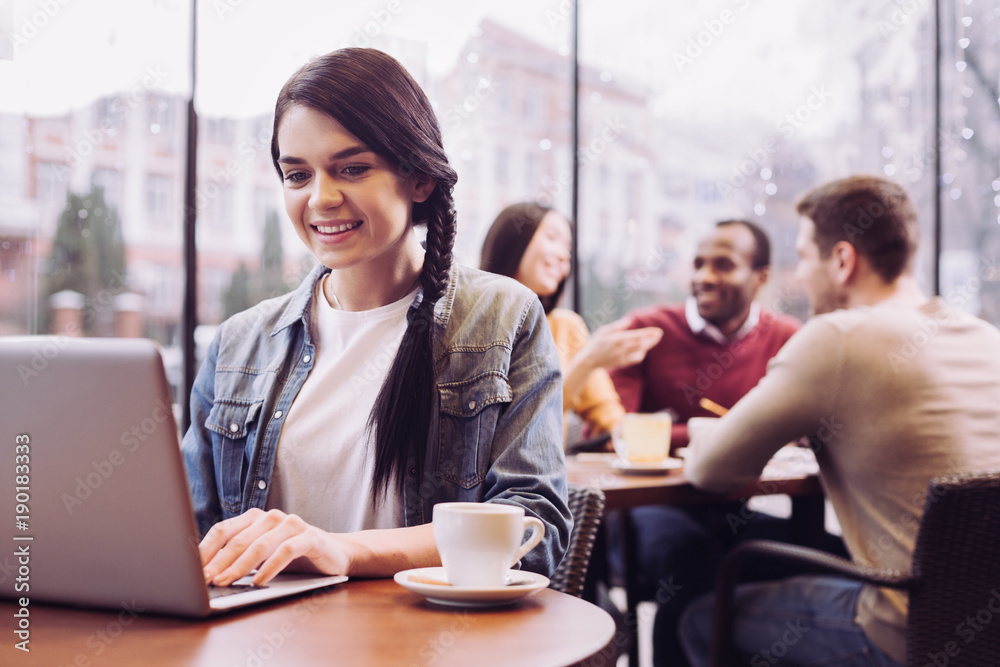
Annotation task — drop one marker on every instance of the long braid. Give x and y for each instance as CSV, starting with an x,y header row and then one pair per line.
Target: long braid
x,y
401,415
440,241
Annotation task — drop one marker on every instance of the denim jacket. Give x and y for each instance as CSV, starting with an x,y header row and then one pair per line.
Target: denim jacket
x,y
495,433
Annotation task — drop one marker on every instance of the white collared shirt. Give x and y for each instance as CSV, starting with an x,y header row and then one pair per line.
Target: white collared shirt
x,y
700,325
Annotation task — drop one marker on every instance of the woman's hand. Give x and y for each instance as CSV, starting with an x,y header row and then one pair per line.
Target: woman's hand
x,y
614,345
268,541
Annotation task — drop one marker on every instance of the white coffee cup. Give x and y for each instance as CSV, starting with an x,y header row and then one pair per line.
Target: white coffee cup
x,y
699,426
643,437
480,542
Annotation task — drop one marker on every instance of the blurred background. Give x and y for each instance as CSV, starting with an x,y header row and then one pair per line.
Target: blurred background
x,y
688,113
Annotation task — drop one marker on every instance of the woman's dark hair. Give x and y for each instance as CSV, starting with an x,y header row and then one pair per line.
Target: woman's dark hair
x,y
508,238
374,98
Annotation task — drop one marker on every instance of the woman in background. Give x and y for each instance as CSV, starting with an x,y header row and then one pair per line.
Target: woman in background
x,y
531,243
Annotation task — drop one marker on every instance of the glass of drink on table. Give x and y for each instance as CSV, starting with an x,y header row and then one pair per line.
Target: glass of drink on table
x,y
643,437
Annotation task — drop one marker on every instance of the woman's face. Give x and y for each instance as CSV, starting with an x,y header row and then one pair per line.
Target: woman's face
x,y
546,260
347,204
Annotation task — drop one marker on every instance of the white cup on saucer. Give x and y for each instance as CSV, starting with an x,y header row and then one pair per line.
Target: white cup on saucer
x,y
480,542
699,426
643,437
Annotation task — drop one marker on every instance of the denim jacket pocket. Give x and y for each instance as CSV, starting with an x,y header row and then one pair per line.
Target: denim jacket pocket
x,y
235,422
469,413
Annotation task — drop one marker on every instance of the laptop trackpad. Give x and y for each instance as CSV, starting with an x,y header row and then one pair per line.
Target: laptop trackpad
x,y
244,592
241,585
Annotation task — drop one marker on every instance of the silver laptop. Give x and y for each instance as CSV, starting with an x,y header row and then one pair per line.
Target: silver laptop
x,y
93,495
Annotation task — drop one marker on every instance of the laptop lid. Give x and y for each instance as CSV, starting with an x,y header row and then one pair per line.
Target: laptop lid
x,y
94,495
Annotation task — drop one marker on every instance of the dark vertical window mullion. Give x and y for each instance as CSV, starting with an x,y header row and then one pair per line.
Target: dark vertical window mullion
x,y
189,317
575,143
938,147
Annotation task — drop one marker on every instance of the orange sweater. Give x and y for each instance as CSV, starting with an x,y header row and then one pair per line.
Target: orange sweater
x,y
597,404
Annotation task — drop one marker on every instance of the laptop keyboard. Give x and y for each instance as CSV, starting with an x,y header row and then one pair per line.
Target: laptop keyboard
x,y
232,589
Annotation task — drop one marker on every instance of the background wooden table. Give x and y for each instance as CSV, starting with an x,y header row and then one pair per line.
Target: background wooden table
x,y
361,622
792,472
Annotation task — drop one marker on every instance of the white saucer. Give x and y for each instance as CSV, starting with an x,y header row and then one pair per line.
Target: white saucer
x,y
523,584
647,468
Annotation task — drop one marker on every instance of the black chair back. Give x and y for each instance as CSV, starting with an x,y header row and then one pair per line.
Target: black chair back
x,y
954,613
954,587
587,507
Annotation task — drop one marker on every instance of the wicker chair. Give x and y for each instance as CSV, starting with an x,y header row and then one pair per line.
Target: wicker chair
x,y
955,572
587,507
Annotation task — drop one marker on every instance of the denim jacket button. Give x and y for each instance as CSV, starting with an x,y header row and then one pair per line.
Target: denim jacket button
x,y
472,405
234,427
261,485
277,414
306,359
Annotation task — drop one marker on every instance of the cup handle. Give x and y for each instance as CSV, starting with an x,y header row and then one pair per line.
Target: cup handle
x,y
537,533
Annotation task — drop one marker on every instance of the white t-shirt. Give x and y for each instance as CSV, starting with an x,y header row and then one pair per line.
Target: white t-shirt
x,y
324,466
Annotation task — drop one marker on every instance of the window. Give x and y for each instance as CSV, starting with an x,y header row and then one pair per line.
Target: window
x,y
218,130
160,198
112,182
266,203
970,155
730,125
218,210
532,169
51,184
679,127
111,113
533,102
502,166
159,113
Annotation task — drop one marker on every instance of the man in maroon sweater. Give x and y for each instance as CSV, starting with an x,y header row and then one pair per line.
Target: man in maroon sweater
x,y
716,345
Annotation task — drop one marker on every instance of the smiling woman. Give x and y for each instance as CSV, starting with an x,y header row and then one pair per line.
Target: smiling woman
x,y
531,243
327,423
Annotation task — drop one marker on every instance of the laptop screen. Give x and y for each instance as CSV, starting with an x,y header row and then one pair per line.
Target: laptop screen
x,y
98,508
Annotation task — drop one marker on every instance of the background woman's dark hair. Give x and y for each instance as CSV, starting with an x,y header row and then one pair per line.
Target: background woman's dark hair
x,y
508,238
376,100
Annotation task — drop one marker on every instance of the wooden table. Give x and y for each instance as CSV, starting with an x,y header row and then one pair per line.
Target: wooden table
x,y
624,491
361,622
789,473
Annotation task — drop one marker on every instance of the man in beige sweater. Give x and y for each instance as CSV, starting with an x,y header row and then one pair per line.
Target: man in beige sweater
x,y
891,388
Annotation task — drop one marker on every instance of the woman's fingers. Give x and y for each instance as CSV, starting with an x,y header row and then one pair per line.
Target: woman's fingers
x,y
621,324
269,554
304,545
268,542
631,346
647,336
220,534
614,345
233,548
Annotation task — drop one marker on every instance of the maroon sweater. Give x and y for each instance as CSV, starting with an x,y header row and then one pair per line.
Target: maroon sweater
x,y
684,367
